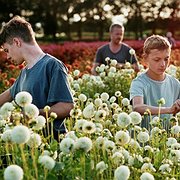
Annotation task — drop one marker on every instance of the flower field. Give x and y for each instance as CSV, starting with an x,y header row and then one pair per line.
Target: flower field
x,y
104,141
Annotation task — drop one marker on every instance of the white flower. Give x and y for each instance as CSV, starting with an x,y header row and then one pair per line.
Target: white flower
x,y
34,141
143,137
131,51
122,173
7,107
104,96
175,146
107,59
123,120
75,112
107,133
99,127
112,99
175,129
147,167
31,111
72,135
88,111
82,97
174,156
171,141
20,134
67,145
98,102
76,72
122,137
79,124
134,144
155,131
146,176
40,122
112,69
101,166
118,158
155,120
109,145
6,136
89,127
100,115
23,98
165,168
136,117
2,123
118,93
14,172
161,101
113,62
84,143
100,142
47,161
125,102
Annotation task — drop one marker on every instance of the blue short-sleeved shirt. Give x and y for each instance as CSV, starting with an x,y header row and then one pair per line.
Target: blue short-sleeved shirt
x,y
122,56
152,91
46,81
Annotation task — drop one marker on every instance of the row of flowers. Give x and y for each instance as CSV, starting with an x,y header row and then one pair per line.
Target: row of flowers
x,y
105,139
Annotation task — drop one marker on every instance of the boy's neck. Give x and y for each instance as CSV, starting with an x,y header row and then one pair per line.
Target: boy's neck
x,y
155,77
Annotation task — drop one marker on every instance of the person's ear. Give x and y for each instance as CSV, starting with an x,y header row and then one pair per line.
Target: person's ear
x,y
17,42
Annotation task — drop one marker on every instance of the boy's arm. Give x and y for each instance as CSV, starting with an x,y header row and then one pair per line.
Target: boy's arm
x,y
139,106
5,97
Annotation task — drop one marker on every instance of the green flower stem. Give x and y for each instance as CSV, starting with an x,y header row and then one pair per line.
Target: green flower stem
x,y
34,155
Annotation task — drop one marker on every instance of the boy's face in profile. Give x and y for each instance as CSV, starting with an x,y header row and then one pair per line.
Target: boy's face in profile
x,y
158,61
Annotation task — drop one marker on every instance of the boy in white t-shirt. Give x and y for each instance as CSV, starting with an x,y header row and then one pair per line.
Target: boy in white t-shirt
x,y
154,84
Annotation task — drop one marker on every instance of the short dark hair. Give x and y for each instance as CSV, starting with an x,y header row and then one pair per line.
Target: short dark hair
x,y
16,27
115,25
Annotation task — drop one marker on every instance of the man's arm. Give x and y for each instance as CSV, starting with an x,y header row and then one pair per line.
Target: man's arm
x,y
5,97
62,109
139,106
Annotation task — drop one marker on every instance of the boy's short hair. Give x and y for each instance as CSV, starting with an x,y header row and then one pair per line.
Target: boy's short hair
x,y
16,27
155,42
116,25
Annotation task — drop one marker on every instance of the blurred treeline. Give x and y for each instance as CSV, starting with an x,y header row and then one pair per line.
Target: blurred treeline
x,y
70,19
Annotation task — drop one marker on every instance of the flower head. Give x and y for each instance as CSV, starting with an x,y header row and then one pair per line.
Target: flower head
x,y
31,111
136,117
67,145
101,166
122,173
14,172
123,120
47,161
146,176
23,98
122,137
83,143
20,134
34,141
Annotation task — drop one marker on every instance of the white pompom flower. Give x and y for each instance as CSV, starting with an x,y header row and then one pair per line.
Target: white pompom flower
x,y
136,117
14,172
23,98
104,96
123,120
34,141
67,145
6,136
31,111
146,176
88,111
89,127
40,123
84,144
122,137
131,51
122,173
101,166
82,97
47,161
143,137
175,129
20,134
125,102
170,141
